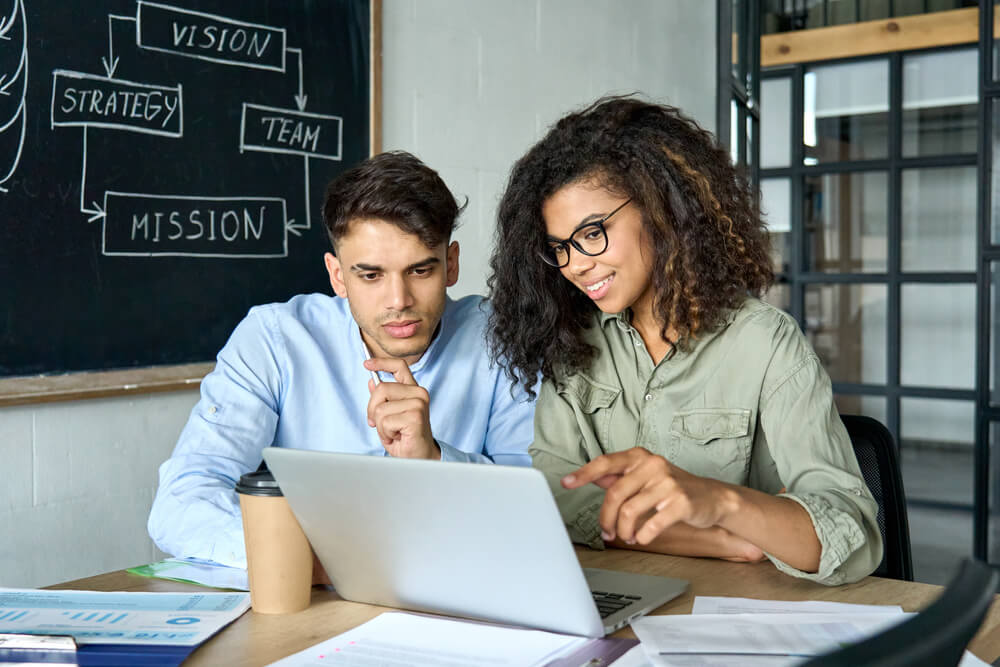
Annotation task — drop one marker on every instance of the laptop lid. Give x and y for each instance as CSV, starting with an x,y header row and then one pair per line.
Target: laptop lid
x,y
480,541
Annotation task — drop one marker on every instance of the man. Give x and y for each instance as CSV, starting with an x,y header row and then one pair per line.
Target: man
x,y
297,374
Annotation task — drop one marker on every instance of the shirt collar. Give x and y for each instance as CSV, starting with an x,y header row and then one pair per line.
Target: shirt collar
x,y
624,321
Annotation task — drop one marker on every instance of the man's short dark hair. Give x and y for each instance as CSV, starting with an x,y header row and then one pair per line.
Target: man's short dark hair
x,y
395,187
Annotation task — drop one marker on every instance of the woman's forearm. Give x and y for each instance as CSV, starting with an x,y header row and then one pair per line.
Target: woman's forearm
x,y
777,525
682,539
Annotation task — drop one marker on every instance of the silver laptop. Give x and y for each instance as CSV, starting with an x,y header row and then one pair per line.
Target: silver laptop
x,y
478,541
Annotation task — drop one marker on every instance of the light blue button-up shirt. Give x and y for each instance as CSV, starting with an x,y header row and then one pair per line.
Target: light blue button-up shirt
x,y
291,375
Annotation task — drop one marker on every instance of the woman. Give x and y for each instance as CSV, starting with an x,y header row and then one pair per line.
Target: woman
x,y
678,413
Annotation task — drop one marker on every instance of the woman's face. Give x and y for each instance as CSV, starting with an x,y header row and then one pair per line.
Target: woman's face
x,y
619,277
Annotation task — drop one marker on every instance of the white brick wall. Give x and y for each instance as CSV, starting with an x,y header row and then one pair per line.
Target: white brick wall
x,y
468,86
79,480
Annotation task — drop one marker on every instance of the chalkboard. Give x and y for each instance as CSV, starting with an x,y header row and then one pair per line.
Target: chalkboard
x,y
162,167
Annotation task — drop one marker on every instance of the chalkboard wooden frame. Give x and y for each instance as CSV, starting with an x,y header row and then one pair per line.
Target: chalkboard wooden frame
x,y
89,384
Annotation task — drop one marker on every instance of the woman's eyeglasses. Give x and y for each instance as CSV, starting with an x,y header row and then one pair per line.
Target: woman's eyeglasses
x,y
590,239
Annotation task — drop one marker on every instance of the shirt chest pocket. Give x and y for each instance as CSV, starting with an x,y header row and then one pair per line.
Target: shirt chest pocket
x,y
712,442
594,404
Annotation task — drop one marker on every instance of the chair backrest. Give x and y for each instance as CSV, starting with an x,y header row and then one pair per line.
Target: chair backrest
x,y
936,637
877,456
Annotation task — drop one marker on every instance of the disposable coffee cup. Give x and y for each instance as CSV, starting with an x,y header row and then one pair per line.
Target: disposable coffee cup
x,y
279,558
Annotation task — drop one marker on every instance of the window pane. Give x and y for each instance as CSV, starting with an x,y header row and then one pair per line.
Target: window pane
x,y
942,431
845,222
846,112
872,10
842,11
776,203
939,219
779,296
938,332
775,123
846,326
869,406
995,179
940,103
734,131
936,456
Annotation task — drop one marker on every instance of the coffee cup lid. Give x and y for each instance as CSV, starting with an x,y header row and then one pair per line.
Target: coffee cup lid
x,y
258,483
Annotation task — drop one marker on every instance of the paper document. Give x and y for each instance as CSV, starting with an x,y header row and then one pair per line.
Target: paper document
x,y
396,639
757,634
178,619
762,628
196,571
704,604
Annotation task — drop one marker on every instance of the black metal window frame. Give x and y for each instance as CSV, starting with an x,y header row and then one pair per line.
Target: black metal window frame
x,y
989,253
741,88
798,278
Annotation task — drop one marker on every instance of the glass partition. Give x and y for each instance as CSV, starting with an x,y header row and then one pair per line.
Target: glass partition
x,y
846,112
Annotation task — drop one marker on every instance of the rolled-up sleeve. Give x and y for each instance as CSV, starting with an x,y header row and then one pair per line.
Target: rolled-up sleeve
x,y
562,444
816,463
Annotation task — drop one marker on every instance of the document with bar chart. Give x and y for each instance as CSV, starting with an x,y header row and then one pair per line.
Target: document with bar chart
x,y
178,619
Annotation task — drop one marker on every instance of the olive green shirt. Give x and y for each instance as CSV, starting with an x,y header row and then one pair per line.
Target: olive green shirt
x,y
748,404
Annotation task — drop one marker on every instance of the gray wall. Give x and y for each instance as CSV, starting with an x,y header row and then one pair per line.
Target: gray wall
x,y
471,84
468,86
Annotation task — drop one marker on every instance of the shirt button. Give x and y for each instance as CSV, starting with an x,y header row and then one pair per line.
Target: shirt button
x,y
648,397
213,409
858,492
638,343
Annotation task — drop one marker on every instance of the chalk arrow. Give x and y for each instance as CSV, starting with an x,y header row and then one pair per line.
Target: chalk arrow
x,y
300,99
7,22
111,62
295,229
96,214
17,74
110,69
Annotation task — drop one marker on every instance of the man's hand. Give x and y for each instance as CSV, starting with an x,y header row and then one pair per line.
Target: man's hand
x,y
646,494
400,411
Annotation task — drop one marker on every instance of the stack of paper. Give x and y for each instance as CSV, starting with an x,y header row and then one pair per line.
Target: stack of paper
x,y
397,639
757,633
118,628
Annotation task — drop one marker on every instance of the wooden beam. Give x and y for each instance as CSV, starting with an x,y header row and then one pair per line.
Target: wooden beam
x,y
101,384
956,26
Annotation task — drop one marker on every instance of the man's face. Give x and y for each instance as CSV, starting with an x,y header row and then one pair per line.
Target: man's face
x,y
394,284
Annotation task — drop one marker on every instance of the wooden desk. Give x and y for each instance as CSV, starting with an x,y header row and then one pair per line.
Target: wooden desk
x,y
256,639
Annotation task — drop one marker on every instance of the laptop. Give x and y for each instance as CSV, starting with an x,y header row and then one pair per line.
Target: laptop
x,y
477,541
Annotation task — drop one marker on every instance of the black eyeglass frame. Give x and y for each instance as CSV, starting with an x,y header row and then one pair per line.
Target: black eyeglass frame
x,y
566,243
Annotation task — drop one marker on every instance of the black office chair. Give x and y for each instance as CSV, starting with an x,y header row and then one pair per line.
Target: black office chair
x,y
876,453
936,637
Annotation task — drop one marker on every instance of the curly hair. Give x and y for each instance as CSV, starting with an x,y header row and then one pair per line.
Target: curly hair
x,y
710,246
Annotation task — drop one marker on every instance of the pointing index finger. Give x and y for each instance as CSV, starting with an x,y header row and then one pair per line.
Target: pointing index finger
x,y
399,369
604,465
